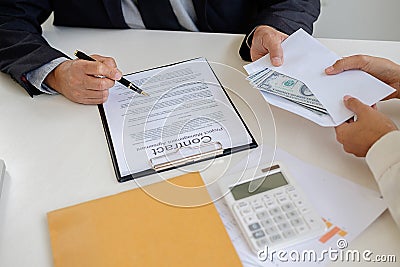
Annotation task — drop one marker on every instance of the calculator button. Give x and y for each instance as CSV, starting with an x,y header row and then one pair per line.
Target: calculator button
x,y
279,218
302,229
299,203
292,214
279,194
254,226
262,243
275,238
294,196
256,202
275,211
267,198
297,222
304,209
262,215
290,189
267,223
287,207
250,219
258,208
270,203
288,233
246,211
258,234
271,230
283,199
284,226
242,204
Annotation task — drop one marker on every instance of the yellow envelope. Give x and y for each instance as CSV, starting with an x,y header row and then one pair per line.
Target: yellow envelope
x,y
139,228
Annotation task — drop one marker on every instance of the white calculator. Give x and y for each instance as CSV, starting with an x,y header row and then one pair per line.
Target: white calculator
x,y
271,209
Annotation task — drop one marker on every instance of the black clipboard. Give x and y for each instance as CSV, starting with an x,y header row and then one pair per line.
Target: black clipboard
x,y
216,153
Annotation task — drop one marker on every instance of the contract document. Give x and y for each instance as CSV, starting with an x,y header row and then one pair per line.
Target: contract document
x,y
188,117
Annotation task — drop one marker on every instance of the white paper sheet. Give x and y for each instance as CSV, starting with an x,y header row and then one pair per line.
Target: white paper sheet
x,y
344,204
305,59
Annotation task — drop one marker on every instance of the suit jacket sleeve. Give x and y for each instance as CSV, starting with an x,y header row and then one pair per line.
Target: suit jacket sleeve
x,y
22,47
286,16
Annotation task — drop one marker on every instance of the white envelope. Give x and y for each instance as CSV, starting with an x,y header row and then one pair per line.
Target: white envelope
x,y
305,59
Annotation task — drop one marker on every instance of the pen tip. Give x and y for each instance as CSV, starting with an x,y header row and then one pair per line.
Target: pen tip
x,y
144,93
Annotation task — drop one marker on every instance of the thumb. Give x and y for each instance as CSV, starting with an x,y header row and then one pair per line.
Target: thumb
x,y
354,104
115,74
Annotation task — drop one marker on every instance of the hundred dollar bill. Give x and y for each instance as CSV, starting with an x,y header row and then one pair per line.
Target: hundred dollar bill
x,y
252,76
317,110
313,109
256,78
266,74
291,89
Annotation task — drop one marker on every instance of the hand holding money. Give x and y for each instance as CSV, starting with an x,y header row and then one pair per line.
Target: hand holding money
x,y
267,40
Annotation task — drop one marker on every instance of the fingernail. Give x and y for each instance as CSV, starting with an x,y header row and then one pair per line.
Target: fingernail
x,y
329,69
346,97
118,75
276,61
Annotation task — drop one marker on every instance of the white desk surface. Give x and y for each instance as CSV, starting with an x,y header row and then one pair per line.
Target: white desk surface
x,y
56,152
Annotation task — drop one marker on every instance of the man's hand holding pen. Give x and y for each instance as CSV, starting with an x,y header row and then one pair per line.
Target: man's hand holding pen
x,y
78,80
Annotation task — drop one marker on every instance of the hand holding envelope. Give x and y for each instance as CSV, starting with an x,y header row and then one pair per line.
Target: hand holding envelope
x,y
305,62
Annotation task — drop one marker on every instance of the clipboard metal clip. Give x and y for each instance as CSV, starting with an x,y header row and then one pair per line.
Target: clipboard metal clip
x,y
185,155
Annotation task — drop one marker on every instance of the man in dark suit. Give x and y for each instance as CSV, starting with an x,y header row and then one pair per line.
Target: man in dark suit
x,y
27,57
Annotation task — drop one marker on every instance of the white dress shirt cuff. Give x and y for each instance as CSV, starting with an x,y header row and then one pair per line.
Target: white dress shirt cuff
x,y
384,154
249,38
36,77
383,159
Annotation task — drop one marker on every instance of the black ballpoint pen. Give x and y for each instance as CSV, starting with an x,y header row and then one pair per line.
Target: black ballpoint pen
x,y
123,81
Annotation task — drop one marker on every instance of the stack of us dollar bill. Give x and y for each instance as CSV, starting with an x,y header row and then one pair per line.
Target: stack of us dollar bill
x,y
284,86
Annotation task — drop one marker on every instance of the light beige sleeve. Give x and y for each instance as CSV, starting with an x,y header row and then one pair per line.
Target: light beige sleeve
x,y
383,159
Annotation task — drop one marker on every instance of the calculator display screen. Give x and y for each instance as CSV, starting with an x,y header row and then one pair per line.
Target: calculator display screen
x,y
270,182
